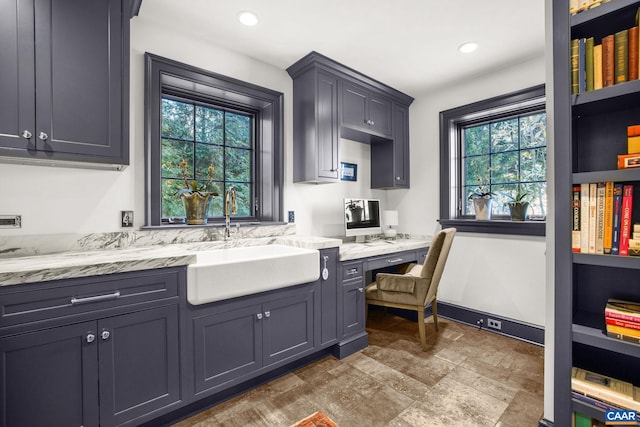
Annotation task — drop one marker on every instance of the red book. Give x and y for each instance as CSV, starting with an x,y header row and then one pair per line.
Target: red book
x,y
625,222
626,316
608,61
575,225
633,53
633,130
622,323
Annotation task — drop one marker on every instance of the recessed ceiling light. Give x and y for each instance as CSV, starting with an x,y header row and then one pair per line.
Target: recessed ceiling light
x,y
468,47
248,18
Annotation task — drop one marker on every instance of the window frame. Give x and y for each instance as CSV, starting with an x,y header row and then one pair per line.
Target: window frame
x,y
451,121
163,75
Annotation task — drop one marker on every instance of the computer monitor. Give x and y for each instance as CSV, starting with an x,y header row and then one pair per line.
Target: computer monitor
x,y
361,218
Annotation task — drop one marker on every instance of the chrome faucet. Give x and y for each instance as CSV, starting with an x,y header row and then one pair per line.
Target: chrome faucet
x,y
229,196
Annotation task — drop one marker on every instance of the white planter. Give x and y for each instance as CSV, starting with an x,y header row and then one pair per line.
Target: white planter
x,y
482,206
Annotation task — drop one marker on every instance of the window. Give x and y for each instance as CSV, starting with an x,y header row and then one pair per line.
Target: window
x,y
199,117
499,144
201,135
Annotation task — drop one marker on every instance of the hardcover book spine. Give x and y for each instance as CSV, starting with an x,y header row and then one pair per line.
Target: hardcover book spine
x,y
626,317
621,41
633,53
595,402
588,61
623,337
625,221
608,61
575,65
617,210
608,217
584,218
601,190
593,187
582,78
623,331
575,229
597,67
622,323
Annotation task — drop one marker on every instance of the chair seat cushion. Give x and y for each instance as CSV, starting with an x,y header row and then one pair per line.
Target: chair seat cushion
x,y
396,283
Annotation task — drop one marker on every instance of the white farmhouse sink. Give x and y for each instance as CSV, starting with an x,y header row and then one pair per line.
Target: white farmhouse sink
x,y
220,274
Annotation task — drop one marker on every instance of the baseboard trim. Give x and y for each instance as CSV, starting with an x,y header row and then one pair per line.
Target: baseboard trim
x,y
509,327
545,423
350,345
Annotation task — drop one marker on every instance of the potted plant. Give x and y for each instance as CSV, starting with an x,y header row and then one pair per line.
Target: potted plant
x,y
519,204
196,196
482,199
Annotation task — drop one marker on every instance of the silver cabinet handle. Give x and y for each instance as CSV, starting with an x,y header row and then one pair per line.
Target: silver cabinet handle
x,y
267,314
397,178
395,260
361,290
259,316
373,123
96,298
91,337
43,136
105,334
26,134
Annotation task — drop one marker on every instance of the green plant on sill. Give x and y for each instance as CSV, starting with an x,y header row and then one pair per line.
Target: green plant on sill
x,y
194,186
520,198
482,190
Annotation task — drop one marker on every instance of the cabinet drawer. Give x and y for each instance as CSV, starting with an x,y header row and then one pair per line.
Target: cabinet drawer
x,y
391,260
352,270
34,302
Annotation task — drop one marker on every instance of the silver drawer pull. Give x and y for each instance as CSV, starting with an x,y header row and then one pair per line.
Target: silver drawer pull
x,y
105,334
395,260
267,314
361,290
91,337
96,298
259,316
352,271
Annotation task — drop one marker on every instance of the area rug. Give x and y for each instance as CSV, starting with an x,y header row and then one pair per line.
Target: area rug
x,y
317,419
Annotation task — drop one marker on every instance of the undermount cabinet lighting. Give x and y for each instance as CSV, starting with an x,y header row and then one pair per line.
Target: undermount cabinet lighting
x,y
248,18
468,47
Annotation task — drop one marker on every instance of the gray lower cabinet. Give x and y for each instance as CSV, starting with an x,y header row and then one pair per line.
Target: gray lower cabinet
x,y
76,53
353,298
97,352
330,316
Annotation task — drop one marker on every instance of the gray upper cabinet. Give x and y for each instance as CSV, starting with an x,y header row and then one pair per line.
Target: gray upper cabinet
x,y
364,111
76,53
332,101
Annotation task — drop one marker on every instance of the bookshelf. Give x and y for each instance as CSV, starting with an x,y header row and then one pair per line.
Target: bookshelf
x,y
589,131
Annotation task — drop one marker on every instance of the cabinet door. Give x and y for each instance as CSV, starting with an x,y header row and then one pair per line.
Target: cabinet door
x,y
139,364
401,146
352,307
328,297
17,103
327,126
287,327
50,378
380,119
227,346
354,107
80,72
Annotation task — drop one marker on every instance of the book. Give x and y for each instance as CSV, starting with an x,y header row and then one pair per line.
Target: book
x,y
625,219
575,226
623,337
582,70
627,161
617,210
633,53
584,218
575,65
582,420
600,202
573,7
597,66
620,393
608,61
623,331
636,228
593,187
594,402
622,310
588,64
633,144
621,43
634,243
608,217
633,130
622,323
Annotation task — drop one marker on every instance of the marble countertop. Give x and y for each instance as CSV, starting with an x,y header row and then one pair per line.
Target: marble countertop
x,y
350,251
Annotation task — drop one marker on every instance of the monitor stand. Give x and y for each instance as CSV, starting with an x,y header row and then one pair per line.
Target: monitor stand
x,y
360,239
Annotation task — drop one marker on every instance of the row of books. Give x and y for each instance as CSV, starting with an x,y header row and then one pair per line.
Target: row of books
x,y
614,60
603,391
576,6
622,319
602,219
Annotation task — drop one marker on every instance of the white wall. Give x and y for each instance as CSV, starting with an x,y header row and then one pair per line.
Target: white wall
x,y
503,275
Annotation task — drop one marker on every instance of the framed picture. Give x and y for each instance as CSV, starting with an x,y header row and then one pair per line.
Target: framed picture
x,y
348,171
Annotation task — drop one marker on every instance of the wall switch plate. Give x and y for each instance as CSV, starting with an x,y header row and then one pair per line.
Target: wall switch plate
x,y
495,324
126,219
292,216
10,221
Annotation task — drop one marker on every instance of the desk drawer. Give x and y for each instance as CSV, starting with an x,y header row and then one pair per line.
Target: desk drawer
x,y
391,260
352,269
35,301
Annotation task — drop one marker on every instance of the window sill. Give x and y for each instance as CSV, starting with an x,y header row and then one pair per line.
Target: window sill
x,y
234,224
525,228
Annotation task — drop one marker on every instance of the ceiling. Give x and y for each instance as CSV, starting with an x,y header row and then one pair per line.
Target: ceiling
x,y
410,45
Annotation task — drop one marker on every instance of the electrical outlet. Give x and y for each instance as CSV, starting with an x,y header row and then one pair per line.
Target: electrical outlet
x,y
292,217
495,324
126,219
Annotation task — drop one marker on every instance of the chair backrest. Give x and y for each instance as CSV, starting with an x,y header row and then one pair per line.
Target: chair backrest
x,y
435,261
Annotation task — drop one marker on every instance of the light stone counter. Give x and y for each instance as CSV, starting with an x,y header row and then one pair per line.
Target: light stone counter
x,y
349,251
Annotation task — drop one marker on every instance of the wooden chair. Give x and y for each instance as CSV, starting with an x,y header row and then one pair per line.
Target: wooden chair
x,y
418,287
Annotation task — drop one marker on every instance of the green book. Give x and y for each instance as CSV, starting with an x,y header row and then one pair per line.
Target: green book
x,y
588,53
575,73
582,420
621,43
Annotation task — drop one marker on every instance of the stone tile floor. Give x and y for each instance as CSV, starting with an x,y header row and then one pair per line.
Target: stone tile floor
x,y
467,377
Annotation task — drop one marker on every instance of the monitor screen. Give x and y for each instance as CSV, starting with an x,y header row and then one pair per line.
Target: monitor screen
x,y
362,217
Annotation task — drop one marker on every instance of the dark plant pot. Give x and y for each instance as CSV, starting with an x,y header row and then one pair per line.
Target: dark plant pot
x,y
518,211
196,207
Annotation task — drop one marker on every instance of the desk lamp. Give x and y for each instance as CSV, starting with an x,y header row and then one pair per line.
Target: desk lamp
x,y
390,218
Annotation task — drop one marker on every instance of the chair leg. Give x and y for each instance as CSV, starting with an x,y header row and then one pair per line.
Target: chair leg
x,y
434,310
421,328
